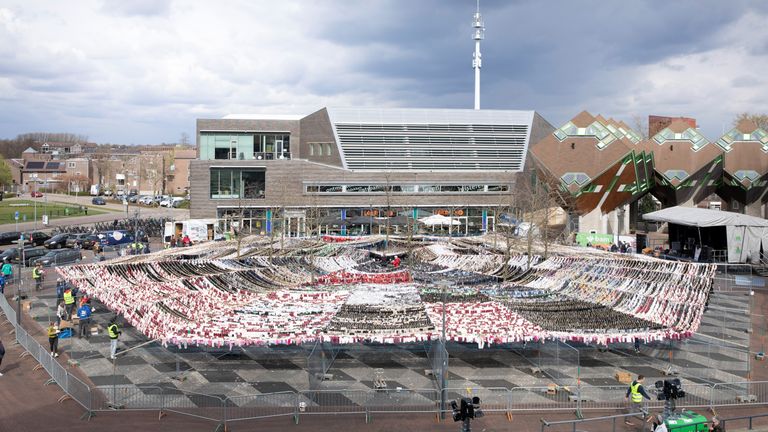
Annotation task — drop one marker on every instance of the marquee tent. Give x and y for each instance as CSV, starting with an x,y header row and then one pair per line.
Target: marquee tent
x,y
742,235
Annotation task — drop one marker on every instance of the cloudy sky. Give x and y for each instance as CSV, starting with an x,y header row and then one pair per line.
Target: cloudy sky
x,y
142,71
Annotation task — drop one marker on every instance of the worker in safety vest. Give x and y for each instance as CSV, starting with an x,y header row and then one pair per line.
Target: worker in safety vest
x,y
635,394
69,302
114,332
37,276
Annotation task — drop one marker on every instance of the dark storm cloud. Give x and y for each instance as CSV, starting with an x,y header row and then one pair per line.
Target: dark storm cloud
x,y
535,54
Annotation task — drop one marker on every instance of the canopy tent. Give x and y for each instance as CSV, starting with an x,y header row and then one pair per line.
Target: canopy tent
x,y
744,236
437,219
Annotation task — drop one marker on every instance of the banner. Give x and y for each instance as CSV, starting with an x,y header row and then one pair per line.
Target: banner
x,y
594,239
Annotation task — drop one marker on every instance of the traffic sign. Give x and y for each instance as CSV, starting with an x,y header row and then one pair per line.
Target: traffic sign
x,y
16,216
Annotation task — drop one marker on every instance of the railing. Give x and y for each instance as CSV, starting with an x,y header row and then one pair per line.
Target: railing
x,y
222,410
572,423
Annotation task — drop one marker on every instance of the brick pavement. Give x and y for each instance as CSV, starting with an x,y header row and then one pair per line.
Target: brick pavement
x,y
26,404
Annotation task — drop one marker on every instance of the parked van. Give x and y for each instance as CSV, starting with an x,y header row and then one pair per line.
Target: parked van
x,y
198,230
117,237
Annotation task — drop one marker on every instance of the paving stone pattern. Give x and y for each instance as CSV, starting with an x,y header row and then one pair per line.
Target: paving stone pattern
x,y
275,369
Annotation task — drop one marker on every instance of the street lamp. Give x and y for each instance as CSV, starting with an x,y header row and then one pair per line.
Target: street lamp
x,y
443,284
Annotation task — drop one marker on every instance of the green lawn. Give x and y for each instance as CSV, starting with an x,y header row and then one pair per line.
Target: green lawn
x,y
54,210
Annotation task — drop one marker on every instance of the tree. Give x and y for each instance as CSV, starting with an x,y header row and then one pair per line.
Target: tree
x,y
6,178
640,124
760,120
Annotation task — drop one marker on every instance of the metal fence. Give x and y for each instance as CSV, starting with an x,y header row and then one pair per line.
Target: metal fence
x,y
221,410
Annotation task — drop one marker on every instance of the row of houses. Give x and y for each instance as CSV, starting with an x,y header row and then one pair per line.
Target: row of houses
x,y
76,167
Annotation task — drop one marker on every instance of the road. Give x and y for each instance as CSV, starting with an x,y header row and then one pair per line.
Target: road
x,y
118,211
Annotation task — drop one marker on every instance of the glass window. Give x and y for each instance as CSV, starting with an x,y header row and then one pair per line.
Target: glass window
x,y
311,149
330,189
450,188
313,189
327,149
357,188
230,183
474,188
221,153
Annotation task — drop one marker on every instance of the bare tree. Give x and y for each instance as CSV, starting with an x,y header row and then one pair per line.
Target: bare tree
x,y
760,120
640,124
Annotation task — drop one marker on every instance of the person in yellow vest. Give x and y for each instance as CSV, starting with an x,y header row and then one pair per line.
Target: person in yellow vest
x,y
635,394
37,276
114,332
53,339
69,302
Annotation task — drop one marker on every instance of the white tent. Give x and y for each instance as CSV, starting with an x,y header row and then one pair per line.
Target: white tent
x,y
439,220
744,234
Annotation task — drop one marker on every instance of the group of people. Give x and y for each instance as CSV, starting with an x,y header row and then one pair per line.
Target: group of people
x,y
180,241
636,396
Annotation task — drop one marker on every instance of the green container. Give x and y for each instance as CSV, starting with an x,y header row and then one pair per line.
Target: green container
x,y
687,421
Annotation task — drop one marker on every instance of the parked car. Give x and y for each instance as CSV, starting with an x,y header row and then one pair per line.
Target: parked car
x,y
146,200
65,256
36,238
166,202
107,192
36,194
56,242
75,240
89,241
13,255
98,201
120,194
133,198
178,202
8,255
10,237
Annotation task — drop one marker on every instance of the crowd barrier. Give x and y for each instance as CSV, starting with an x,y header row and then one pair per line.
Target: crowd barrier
x,y
222,410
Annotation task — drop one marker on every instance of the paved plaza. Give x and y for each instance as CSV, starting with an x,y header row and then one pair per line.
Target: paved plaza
x,y
712,356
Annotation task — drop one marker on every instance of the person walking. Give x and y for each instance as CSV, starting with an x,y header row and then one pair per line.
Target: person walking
x,y
37,276
2,353
61,313
396,262
2,283
84,315
53,339
635,394
69,302
7,271
114,332
60,286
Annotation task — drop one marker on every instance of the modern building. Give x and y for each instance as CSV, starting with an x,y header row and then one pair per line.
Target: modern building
x,y
600,163
338,168
605,167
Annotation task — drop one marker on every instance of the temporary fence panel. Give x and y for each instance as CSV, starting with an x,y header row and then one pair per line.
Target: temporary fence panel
x,y
333,402
79,391
403,400
10,313
208,407
542,399
602,397
438,358
262,406
319,361
492,399
126,397
739,394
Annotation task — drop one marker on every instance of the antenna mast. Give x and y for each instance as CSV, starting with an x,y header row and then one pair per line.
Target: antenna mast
x,y
477,62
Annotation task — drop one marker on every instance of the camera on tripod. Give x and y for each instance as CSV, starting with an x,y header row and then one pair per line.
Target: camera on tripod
x,y
670,389
465,410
